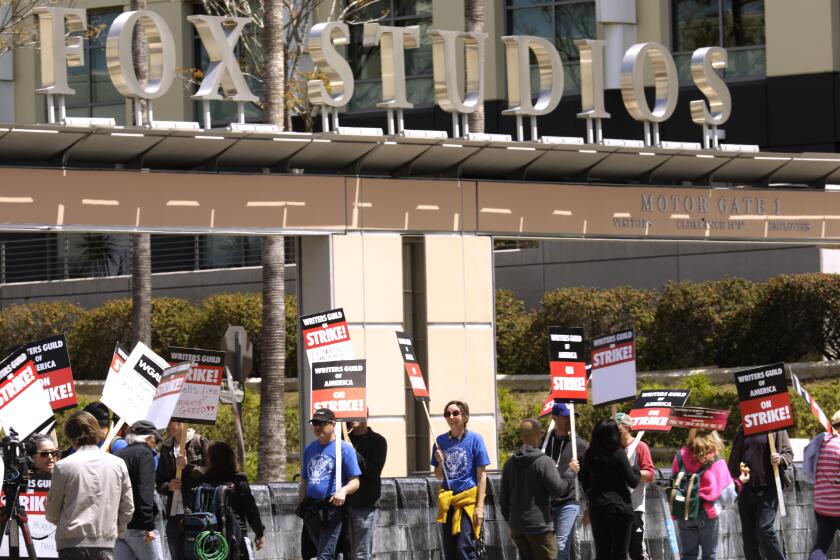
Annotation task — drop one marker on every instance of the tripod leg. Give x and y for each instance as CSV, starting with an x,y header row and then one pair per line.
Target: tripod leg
x,y
27,539
14,540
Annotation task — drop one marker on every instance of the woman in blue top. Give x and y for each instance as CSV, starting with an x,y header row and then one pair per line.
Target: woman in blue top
x,y
460,458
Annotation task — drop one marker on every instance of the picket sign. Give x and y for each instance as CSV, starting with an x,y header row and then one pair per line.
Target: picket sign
x,y
112,433
177,496
548,435
812,403
434,439
776,476
574,443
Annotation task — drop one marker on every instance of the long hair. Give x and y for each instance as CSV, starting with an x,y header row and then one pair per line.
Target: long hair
x,y
82,429
605,441
705,444
221,460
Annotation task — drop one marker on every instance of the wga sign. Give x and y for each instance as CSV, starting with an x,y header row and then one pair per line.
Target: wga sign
x,y
224,80
149,370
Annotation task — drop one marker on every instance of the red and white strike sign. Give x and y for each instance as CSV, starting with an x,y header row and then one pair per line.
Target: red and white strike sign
x,y
412,367
567,364
651,410
763,399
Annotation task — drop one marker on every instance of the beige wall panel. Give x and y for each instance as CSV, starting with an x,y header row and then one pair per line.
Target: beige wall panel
x,y
444,279
358,337
394,433
447,14
385,373
653,21
447,366
801,36
383,280
478,279
480,370
406,205
348,289
494,66
27,104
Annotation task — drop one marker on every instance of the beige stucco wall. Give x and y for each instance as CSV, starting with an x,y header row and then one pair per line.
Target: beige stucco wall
x,y
802,37
653,21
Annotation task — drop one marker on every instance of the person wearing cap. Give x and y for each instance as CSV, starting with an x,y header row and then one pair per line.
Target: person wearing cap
x,y
372,450
529,480
638,453
141,540
826,489
564,507
102,414
321,504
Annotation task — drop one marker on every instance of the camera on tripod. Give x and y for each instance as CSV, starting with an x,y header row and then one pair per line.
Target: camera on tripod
x,y
15,458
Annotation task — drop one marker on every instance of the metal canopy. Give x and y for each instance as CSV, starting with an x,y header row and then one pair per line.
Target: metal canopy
x,y
394,156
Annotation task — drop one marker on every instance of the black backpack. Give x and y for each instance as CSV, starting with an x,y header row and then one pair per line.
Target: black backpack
x,y
212,511
684,499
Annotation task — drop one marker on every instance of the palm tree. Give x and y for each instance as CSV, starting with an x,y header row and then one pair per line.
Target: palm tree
x,y
272,444
141,275
474,11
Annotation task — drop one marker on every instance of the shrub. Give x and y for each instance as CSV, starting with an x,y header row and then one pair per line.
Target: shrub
x,y
512,324
20,324
93,336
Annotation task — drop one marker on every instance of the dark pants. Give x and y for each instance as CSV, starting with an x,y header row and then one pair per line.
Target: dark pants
x,y
637,550
757,508
324,523
826,527
611,534
699,534
175,536
460,546
535,547
86,553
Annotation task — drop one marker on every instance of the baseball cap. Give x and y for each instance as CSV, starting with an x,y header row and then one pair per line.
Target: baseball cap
x,y
560,409
623,419
323,415
145,428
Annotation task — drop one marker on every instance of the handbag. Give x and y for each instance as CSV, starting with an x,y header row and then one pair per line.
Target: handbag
x,y
480,545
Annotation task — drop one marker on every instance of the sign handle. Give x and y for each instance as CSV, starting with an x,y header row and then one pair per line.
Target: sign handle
x,y
548,435
338,459
432,433
177,496
237,417
692,433
613,410
772,442
573,436
112,433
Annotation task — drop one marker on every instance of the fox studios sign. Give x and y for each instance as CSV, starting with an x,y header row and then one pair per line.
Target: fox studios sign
x,y
223,79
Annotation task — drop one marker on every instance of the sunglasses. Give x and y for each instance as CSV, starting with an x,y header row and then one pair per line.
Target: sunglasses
x,y
48,454
454,413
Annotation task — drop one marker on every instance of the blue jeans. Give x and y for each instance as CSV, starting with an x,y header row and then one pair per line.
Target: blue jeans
x,y
363,522
699,534
565,517
132,546
324,527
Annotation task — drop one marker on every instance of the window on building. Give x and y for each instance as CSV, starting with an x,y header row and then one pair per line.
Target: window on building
x,y
365,61
95,95
737,25
560,20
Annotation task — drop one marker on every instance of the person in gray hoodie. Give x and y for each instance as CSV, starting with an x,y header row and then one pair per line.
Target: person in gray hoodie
x,y
529,481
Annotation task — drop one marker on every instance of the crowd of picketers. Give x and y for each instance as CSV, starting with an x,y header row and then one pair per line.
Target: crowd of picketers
x,y
105,504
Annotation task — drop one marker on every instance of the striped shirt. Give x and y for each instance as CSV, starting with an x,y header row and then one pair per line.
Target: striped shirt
x,y
826,488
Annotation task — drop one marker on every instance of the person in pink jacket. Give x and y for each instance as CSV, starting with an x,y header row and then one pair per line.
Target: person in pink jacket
x,y
717,489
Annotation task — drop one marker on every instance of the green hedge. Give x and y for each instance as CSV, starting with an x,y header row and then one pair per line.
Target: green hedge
x,y
92,333
726,323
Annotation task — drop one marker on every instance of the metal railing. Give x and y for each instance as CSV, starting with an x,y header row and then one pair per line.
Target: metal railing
x,y
43,257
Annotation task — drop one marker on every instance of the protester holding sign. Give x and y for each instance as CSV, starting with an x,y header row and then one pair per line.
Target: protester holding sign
x,y
171,456
638,453
89,475
607,478
759,500
322,504
460,459
826,490
565,506
715,488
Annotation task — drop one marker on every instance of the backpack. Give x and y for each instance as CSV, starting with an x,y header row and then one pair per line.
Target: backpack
x,y
212,512
684,499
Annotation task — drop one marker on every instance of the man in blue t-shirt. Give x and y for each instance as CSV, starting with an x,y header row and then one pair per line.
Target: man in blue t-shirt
x,y
321,505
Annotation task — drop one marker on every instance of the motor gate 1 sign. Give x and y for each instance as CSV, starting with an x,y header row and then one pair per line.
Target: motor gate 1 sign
x,y
130,391
199,402
764,399
52,362
326,337
412,368
24,404
567,364
340,386
613,368
651,410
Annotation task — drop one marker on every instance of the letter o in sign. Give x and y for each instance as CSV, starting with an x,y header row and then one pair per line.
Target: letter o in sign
x,y
161,53
664,80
